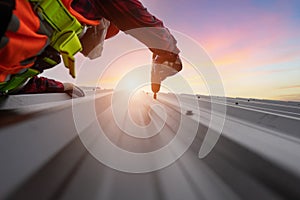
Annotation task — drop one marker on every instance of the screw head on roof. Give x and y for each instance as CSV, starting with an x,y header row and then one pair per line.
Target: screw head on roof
x,y
189,112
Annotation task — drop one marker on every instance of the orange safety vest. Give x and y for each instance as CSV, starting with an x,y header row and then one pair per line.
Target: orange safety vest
x,y
23,42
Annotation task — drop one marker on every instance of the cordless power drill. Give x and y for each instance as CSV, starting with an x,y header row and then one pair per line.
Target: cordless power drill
x,y
162,67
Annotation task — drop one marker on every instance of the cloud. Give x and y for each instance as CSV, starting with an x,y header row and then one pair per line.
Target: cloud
x,y
248,36
289,87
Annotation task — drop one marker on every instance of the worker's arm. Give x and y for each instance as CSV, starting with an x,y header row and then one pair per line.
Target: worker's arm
x,y
129,16
46,85
41,85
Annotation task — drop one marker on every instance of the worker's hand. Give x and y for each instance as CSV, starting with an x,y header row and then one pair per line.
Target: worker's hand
x,y
73,90
165,65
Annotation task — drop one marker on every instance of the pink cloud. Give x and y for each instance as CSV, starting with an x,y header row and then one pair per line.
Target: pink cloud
x,y
259,40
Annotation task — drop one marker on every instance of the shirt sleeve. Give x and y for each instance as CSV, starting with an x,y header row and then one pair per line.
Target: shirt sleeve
x,y
41,85
134,19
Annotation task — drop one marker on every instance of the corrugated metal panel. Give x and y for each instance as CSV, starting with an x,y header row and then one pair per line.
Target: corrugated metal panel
x,y
256,157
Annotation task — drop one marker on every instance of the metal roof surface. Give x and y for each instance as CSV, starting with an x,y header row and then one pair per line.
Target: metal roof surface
x,y
179,147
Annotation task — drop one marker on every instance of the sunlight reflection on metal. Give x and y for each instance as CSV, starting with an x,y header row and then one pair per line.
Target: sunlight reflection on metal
x,y
148,119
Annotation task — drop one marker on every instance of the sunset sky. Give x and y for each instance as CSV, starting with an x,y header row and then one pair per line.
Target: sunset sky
x,y
254,44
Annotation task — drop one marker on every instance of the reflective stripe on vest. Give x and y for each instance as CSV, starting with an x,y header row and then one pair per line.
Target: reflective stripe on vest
x,y
65,38
66,29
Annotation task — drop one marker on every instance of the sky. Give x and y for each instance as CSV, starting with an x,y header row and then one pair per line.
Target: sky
x,y
254,45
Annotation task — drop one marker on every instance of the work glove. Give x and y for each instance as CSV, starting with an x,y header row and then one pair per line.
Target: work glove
x,y
166,65
73,90
163,66
93,39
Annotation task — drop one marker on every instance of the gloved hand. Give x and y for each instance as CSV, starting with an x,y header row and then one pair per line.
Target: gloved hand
x,y
73,90
163,66
166,65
